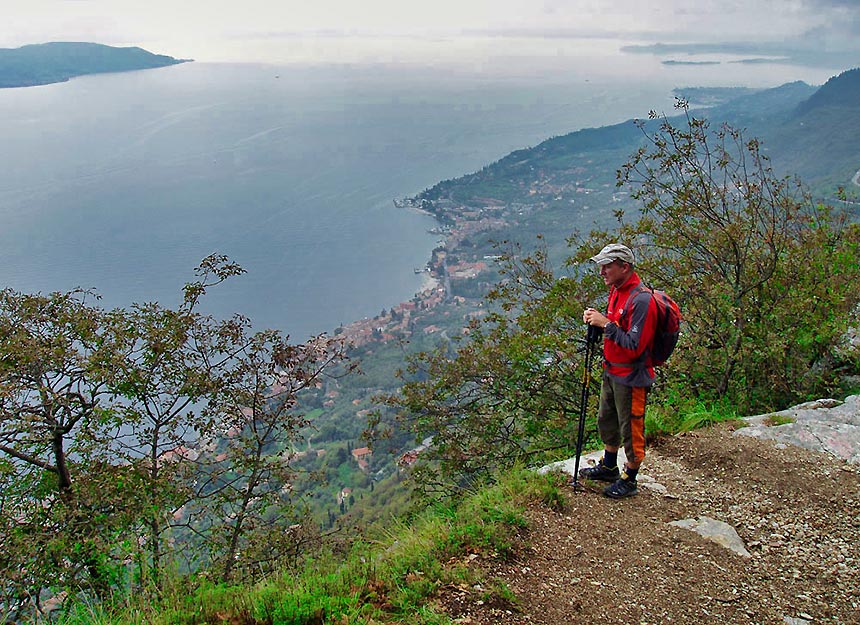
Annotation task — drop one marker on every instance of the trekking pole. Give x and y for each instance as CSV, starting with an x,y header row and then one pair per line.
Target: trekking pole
x,y
592,338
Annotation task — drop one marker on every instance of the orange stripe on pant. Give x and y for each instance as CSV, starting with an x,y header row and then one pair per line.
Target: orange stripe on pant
x,y
637,422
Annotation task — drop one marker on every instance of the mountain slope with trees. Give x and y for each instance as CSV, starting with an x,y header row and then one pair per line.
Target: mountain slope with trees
x,y
820,141
42,64
569,182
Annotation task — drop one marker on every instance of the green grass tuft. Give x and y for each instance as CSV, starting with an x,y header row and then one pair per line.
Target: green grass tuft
x,y
394,580
672,417
778,419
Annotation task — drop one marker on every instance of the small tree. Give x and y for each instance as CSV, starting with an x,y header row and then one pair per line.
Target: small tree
x,y
64,500
766,277
110,427
252,521
170,364
509,393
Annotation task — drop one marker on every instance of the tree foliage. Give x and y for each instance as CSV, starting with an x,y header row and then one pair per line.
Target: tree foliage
x,y
254,523
766,280
509,392
55,417
170,363
134,442
766,277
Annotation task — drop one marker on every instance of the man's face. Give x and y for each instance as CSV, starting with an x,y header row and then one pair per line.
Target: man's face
x,y
615,273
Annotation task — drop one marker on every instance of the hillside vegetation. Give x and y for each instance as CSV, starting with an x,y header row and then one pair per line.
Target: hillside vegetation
x,y
42,64
570,181
529,549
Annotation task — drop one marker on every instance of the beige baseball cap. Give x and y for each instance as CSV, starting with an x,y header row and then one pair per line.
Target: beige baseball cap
x,y
614,251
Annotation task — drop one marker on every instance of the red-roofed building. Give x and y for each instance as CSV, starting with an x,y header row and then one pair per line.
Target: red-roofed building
x,y
361,455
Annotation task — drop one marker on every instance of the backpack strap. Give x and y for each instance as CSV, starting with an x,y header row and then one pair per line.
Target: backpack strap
x,y
637,290
639,363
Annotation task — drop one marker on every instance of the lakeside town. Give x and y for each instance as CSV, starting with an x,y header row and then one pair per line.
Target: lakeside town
x,y
461,270
443,270
462,257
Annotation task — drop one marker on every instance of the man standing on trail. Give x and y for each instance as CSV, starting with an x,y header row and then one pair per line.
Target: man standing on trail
x,y
628,330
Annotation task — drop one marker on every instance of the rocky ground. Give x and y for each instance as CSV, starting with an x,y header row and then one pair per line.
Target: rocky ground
x,y
603,561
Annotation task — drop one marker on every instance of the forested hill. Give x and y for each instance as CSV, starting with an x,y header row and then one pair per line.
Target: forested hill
x,y
45,63
569,180
820,141
840,91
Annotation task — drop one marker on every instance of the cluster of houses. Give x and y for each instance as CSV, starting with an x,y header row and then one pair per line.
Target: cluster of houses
x,y
394,323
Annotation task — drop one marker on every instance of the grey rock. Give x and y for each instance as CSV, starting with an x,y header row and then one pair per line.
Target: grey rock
x,y
849,344
716,531
826,425
586,460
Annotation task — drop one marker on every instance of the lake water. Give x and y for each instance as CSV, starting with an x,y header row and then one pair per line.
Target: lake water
x,y
125,182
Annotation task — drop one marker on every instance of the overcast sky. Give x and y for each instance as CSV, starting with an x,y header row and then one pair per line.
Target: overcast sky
x,y
308,30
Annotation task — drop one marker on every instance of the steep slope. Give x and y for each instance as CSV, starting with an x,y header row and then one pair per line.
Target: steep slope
x,y
568,182
764,108
820,141
840,91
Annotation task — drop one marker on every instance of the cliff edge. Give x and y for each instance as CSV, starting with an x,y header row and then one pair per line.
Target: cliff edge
x,y
795,511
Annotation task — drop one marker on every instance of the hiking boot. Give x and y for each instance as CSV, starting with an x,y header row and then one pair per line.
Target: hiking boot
x,y
600,472
620,489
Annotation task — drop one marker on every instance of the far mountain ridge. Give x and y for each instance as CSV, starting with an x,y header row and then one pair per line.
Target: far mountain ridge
x,y
46,63
820,148
767,104
569,181
819,140
840,91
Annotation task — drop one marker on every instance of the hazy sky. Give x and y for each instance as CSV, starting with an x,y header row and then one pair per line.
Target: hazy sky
x,y
307,30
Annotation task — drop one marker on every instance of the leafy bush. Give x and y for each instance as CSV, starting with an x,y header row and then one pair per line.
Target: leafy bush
x,y
765,277
508,394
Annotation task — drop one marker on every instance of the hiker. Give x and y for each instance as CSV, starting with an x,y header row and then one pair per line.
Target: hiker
x,y
628,330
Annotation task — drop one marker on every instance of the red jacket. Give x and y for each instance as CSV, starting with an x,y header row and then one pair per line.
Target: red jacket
x,y
626,341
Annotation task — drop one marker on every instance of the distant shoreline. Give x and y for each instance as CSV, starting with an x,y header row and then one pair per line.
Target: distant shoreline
x,y
430,282
43,64
70,78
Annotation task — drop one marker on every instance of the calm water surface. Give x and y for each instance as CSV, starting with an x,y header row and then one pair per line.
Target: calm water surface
x,y
125,182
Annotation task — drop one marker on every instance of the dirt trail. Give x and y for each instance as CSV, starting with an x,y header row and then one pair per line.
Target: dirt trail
x,y
606,561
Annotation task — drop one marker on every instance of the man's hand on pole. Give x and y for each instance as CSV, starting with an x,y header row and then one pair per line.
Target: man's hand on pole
x,y
594,317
